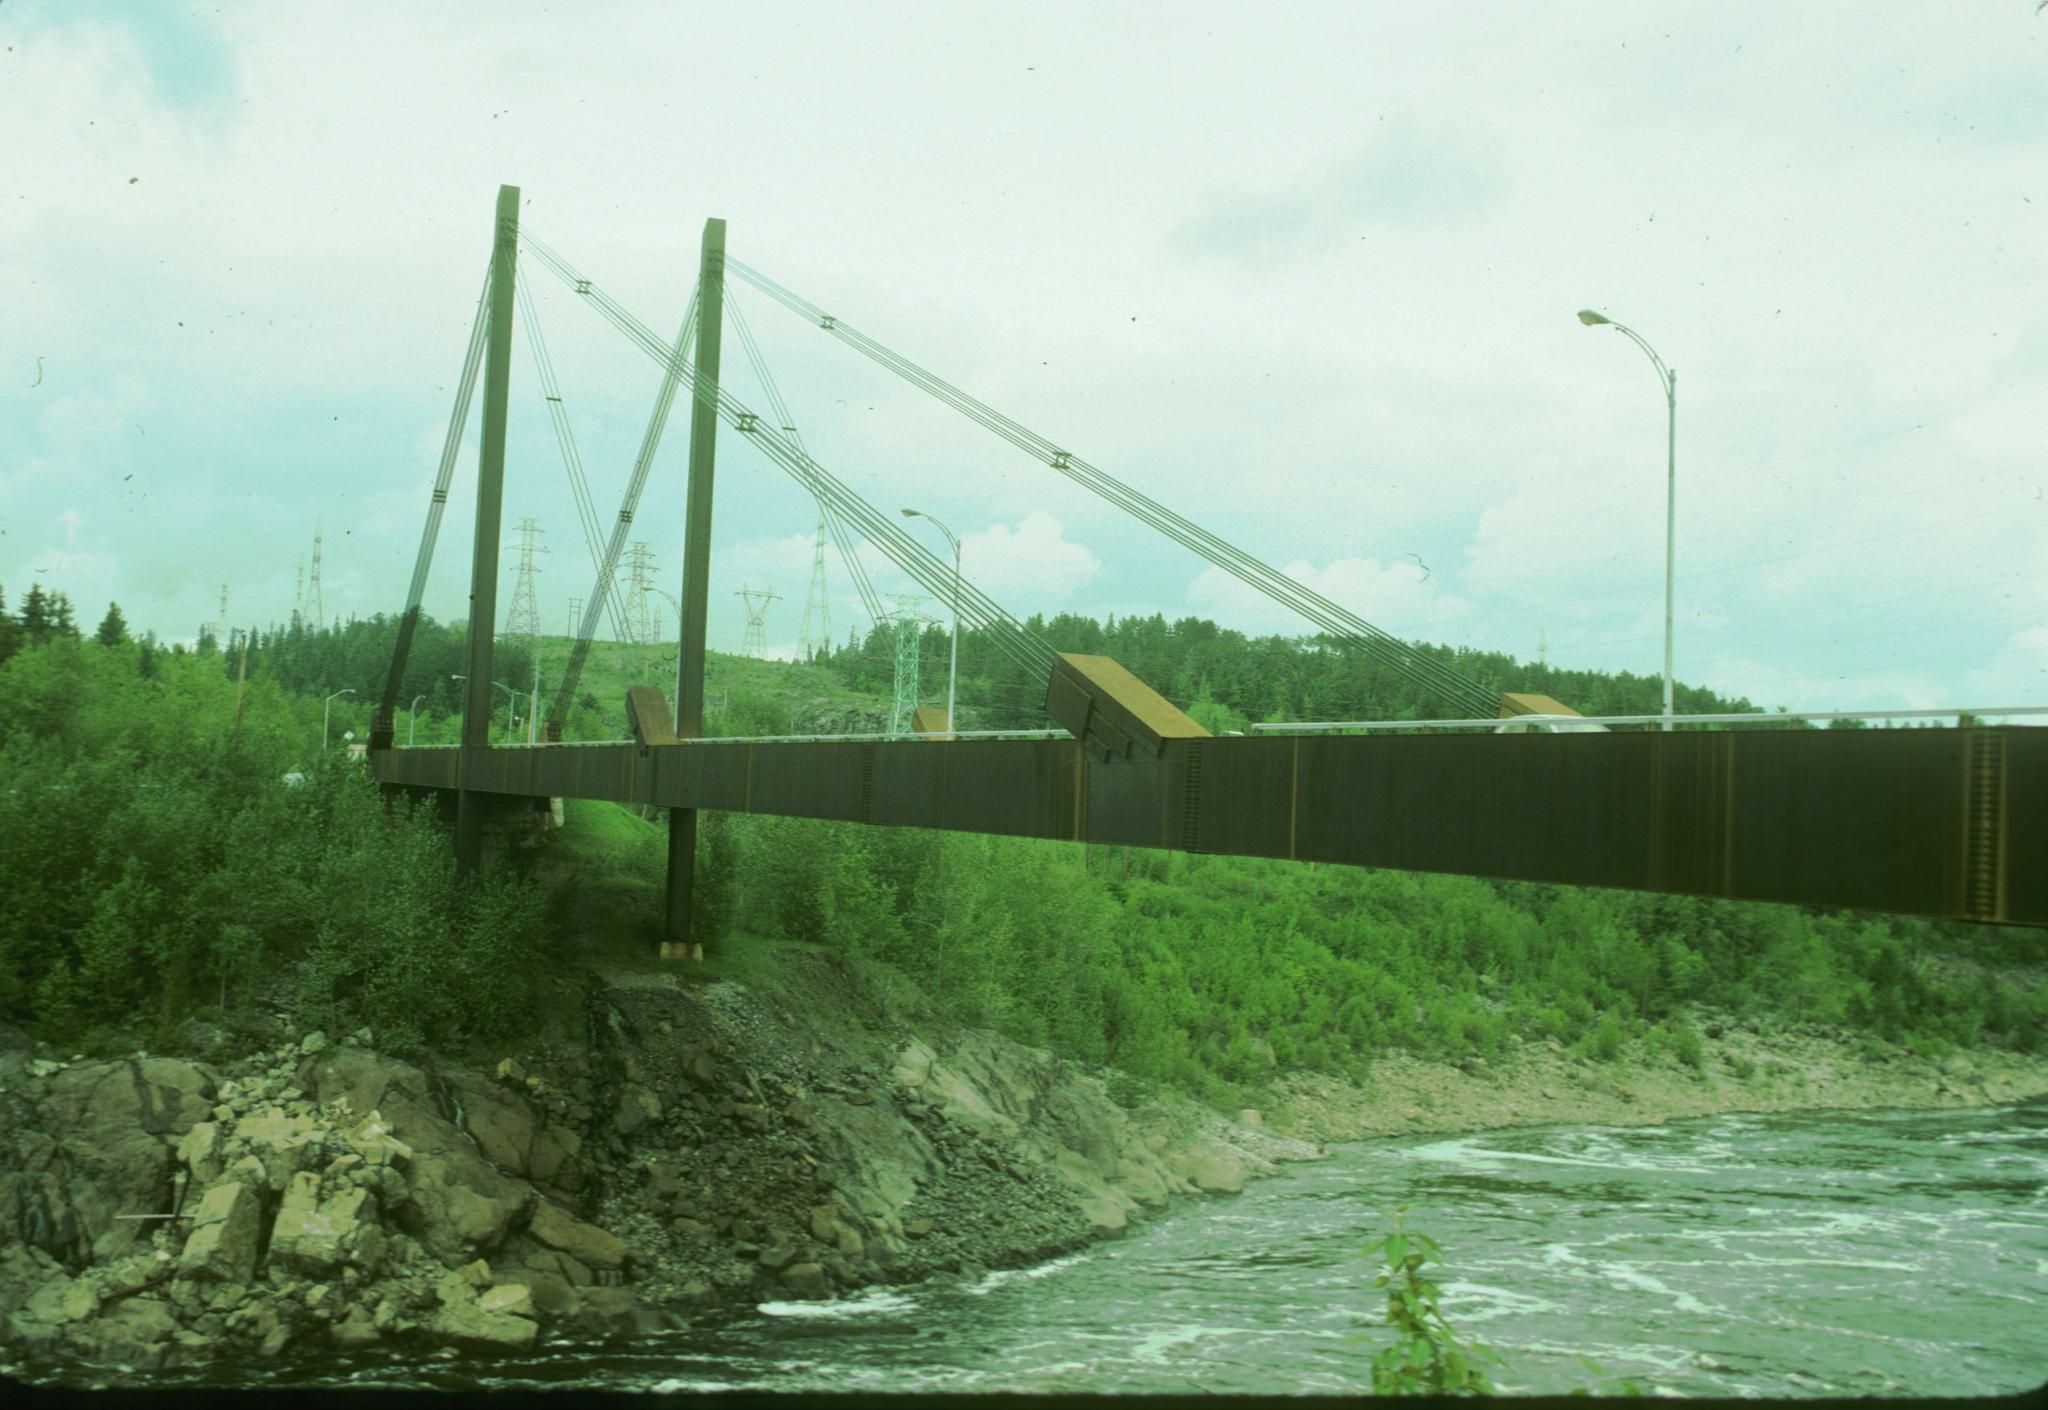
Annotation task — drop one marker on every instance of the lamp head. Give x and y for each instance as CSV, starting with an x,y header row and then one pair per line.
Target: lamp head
x,y
911,513
1592,319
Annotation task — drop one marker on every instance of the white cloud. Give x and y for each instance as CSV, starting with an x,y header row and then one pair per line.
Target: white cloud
x,y
1030,566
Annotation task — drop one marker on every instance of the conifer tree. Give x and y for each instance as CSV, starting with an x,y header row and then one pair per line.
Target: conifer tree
x,y
35,616
10,630
113,627
62,622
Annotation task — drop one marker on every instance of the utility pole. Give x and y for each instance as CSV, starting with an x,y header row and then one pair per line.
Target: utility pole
x,y
682,822
490,502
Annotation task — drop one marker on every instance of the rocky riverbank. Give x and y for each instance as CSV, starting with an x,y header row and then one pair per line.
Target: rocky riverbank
x,y
697,1144
706,1145
1741,1068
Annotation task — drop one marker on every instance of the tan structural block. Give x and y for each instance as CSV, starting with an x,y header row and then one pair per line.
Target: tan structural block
x,y
653,721
1516,702
928,719
1116,714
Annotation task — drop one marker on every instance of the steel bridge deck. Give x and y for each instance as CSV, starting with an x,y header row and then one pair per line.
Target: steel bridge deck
x,y
1937,822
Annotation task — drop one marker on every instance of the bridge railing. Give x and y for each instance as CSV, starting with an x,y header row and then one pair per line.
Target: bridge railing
x,y
1567,723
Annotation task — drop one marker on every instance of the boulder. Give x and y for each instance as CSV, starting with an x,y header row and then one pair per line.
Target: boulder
x,y
805,1279
515,1298
226,1230
556,1228
63,1299
284,1145
638,1107
201,1150
459,1206
113,1124
134,1333
372,1143
355,1332
511,1133
463,1321
319,1237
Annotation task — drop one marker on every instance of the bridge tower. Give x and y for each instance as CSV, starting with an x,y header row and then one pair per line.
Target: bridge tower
x,y
816,632
755,642
689,709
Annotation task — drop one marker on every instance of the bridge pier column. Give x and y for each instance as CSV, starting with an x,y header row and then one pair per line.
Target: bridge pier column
x,y
490,498
682,822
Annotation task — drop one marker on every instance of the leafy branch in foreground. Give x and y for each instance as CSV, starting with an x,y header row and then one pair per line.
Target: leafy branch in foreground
x,y
1426,1357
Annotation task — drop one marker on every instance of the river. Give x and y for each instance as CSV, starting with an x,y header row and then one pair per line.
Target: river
x,y
1885,1253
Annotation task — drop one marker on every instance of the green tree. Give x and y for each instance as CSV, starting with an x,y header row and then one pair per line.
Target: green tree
x,y
10,631
113,629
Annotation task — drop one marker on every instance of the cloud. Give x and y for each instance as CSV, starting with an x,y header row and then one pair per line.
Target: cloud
x,y
1401,176
1030,566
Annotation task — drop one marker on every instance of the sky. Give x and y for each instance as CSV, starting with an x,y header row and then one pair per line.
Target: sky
x,y
1304,272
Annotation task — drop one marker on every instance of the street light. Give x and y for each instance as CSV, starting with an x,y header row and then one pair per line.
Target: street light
x,y
1667,378
511,699
953,673
327,712
413,721
679,640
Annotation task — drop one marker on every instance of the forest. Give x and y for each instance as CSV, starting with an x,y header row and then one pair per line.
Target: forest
x,y
157,865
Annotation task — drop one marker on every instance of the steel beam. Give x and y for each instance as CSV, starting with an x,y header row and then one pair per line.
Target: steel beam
x,y
682,821
490,497
1950,823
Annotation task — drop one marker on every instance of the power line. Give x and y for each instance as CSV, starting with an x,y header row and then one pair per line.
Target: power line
x,y
1298,597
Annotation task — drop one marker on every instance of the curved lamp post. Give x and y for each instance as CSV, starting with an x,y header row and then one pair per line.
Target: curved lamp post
x,y
327,713
953,671
511,699
1667,378
412,726
679,640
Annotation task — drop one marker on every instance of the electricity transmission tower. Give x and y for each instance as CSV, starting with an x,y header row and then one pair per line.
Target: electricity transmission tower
x,y
315,616
909,641
299,593
218,627
523,617
816,633
755,643
575,615
639,570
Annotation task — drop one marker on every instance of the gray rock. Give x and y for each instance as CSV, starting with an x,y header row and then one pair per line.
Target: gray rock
x,y
320,1237
113,1124
558,1229
805,1279
313,1042
515,1298
226,1230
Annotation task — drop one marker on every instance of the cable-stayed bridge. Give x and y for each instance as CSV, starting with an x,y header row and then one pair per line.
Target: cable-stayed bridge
x,y
1948,822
